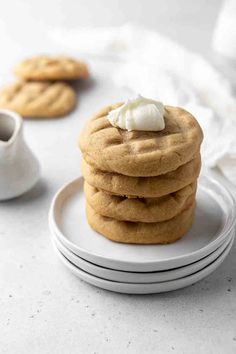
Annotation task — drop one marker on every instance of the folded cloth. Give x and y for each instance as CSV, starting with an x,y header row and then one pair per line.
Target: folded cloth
x,y
156,67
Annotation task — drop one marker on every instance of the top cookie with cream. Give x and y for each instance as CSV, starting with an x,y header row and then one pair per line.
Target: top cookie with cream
x,y
140,138
138,114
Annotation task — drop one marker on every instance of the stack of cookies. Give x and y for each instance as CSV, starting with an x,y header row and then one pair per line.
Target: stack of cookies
x,y
42,91
140,186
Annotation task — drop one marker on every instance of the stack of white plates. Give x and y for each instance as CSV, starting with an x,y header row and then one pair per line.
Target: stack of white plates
x,y
143,269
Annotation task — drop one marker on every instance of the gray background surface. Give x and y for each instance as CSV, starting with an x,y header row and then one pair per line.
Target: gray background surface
x,y
186,21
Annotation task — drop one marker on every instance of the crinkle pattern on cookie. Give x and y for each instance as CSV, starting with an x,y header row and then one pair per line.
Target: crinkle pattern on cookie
x,y
148,187
51,68
38,99
140,209
139,232
140,153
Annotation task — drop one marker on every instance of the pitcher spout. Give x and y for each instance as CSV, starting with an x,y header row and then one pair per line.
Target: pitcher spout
x,y
10,126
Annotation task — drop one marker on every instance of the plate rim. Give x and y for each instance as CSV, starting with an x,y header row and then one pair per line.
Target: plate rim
x,y
193,278
158,264
167,272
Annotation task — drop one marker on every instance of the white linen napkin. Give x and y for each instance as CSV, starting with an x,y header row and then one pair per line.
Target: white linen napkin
x,y
156,67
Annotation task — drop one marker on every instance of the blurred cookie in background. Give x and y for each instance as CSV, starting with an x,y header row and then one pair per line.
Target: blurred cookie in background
x,y
51,68
38,99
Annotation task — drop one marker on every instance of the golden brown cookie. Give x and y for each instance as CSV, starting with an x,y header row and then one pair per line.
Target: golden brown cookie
x,y
140,153
148,187
38,99
51,68
140,209
139,232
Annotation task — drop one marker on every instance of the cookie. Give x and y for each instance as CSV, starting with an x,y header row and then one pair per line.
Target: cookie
x,y
38,99
139,209
143,186
51,68
139,232
140,153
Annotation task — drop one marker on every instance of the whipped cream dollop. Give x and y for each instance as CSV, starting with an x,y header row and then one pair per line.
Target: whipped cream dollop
x,y
139,113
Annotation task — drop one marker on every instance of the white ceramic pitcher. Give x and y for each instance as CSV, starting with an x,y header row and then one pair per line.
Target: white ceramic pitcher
x,y
19,168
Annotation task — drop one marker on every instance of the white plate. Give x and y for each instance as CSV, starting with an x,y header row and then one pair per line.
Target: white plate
x,y
151,288
214,223
135,277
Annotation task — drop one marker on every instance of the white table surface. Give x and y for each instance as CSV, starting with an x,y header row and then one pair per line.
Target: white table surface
x,y
44,308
